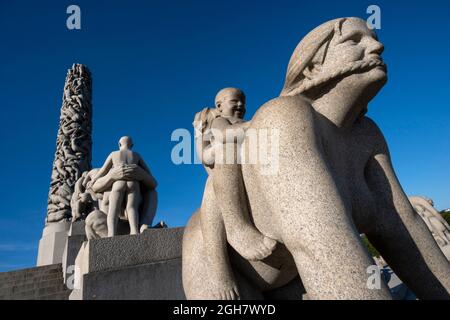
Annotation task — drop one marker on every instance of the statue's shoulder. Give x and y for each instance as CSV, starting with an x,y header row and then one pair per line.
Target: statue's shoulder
x,y
296,100
289,105
369,129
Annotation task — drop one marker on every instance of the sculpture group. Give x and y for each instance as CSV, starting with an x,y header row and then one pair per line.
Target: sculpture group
x,y
123,189
334,182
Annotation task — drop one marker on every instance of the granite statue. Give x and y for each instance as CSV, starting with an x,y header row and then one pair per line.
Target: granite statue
x,y
334,181
93,197
219,130
124,193
435,222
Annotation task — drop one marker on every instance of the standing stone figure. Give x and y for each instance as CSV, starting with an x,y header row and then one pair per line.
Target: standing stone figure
x,y
73,144
124,193
335,180
439,228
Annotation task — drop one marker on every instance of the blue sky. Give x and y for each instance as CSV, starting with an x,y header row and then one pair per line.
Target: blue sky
x,y
155,63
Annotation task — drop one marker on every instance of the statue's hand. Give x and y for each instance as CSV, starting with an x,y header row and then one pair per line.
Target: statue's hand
x,y
127,172
119,173
135,172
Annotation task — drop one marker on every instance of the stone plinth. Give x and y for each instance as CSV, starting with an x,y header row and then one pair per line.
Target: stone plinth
x,y
53,243
145,266
75,239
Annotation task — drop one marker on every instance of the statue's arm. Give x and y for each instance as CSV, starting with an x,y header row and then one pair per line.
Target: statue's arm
x,y
104,183
105,168
143,164
220,127
396,228
145,176
383,182
205,151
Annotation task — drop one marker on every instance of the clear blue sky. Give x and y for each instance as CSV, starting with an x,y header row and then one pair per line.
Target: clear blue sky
x,y
155,64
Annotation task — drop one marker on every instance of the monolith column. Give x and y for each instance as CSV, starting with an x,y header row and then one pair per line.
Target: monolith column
x,y
72,158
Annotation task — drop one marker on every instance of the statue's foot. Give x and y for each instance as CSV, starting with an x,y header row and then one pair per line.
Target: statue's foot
x,y
224,287
227,294
251,244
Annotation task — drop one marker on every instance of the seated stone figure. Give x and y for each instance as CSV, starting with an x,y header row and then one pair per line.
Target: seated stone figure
x,y
218,131
83,200
334,181
435,222
123,192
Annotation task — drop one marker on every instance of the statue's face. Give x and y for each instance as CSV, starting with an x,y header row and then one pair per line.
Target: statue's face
x,y
233,104
356,44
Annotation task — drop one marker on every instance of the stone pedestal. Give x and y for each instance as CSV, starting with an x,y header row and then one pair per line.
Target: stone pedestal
x,y
52,243
139,267
75,239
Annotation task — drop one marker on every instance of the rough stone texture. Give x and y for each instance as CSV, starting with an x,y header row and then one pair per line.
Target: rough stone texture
x,y
52,244
152,245
40,283
73,144
110,268
435,222
151,281
75,239
334,181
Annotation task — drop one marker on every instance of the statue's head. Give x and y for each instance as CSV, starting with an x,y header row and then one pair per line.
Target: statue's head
x,y
335,50
430,201
231,102
126,142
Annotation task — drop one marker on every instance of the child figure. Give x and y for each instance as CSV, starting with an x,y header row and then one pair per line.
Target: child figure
x,y
216,130
123,190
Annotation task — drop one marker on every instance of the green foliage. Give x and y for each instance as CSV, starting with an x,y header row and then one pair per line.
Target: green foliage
x,y
446,216
370,247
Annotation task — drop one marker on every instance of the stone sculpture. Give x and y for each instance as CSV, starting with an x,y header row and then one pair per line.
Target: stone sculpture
x,y
334,181
124,193
84,200
92,199
218,131
73,144
439,228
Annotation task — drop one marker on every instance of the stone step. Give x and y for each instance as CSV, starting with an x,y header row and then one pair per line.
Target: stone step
x,y
34,294
32,269
29,280
63,295
36,285
29,273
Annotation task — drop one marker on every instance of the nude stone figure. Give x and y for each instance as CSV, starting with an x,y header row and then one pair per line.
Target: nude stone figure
x,y
225,130
96,221
84,200
123,191
335,181
435,222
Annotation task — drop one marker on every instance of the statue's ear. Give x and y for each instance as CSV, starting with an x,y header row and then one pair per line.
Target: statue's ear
x,y
315,65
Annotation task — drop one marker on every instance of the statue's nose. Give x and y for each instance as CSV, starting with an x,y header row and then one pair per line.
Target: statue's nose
x,y
374,47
